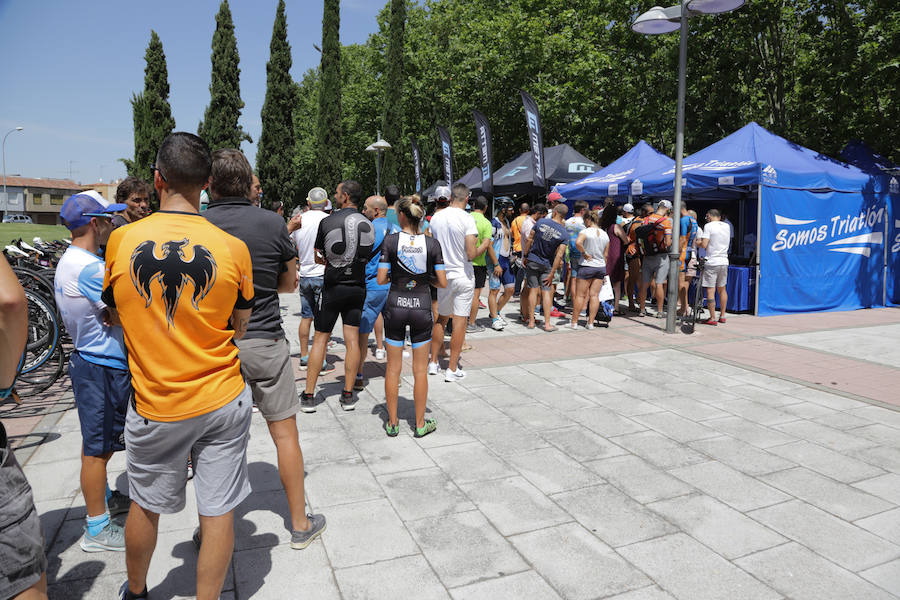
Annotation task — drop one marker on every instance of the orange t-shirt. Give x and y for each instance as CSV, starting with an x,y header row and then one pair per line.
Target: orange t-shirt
x,y
517,232
175,279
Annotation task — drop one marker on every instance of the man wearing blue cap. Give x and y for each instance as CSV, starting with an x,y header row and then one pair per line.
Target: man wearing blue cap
x,y
98,367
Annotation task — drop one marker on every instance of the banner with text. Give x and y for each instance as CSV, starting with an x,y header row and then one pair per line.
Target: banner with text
x,y
893,250
483,131
417,166
447,153
535,139
820,251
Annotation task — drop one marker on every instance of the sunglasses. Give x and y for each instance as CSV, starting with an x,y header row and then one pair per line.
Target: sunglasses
x,y
153,168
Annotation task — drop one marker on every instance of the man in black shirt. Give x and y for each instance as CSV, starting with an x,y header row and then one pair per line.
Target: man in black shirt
x,y
263,351
344,243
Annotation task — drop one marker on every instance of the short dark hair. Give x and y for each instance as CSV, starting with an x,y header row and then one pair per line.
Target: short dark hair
x,y
352,189
579,206
459,191
480,203
647,209
714,212
539,207
184,161
525,207
129,186
392,193
232,176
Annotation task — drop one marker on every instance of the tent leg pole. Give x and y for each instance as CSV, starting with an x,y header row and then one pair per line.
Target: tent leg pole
x,y
758,247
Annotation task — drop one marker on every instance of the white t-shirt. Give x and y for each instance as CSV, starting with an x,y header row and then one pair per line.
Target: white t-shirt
x,y
450,228
595,242
527,226
717,232
305,240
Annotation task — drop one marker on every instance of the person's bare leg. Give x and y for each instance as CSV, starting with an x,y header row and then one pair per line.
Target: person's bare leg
x,y
363,350
473,313
36,592
217,534
660,297
437,338
420,387
642,296
547,301
534,295
507,295
316,358
457,339
723,300
303,332
379,335
392,379
593,293
93,483
290,468
578,298
682,294
617,294
492,303
711,302
351,356
141,528
525,307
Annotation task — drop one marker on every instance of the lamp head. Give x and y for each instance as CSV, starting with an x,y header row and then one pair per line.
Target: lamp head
x,y
19,128
381,145
711,7
371,148
658,20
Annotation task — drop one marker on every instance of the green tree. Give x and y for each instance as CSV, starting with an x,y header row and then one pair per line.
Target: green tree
x,y
151,111
392,115
329,152
305,118
274,163
219,127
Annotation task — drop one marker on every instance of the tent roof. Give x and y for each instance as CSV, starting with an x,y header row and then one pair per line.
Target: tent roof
x,y
753,155
859,154
562,164
616,179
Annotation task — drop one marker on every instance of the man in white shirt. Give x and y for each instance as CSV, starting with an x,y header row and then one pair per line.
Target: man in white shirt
x,y
303,229
715,239
457,233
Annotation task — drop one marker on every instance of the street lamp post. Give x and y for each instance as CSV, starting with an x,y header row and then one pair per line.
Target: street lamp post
x,y
3,151
378,147
655,21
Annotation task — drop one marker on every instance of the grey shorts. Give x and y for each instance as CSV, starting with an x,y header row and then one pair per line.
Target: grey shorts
x,y
22,559
535,275
715,276
655,268
266,367
157,453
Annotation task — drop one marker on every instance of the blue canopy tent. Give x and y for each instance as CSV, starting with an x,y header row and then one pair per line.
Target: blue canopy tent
x,y
820,222
621,177
859,154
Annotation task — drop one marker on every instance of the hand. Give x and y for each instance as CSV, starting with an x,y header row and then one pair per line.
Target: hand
x,y
587,256
294,223
498,271
548,280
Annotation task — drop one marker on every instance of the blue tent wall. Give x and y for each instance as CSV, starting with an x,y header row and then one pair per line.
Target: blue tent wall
x,y
892,278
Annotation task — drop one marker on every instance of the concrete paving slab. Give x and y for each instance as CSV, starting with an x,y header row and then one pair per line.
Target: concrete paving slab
x,y
393,455
759,412
423,493
343,482
877,414
730,486
271,572
537,417
885,486
396,579
507,439
659,450
576,563
740,455
582,444
886,576
327,446
833,538
831,496
798,573
647,593
885,525
54,480
638,478
826,436
691,571
612,516
552,471
521,586
827,462
885,457
365,532
689,408
750,432
465,463
676,427
604,421
464,548
514,505
717,525
623,404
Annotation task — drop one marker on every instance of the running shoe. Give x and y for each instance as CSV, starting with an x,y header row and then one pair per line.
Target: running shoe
x,y
380,354
118,504
111,538
556,313
190,469
307,402
496,325
457,375
474,328
302,539
430,426
348,400
589,326
573,325
126,594
504,321
433,368
304,361
481,303
391,430
359,384
196,539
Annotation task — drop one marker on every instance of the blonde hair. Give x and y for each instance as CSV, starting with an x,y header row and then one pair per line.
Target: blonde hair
x,y
412,209
592,215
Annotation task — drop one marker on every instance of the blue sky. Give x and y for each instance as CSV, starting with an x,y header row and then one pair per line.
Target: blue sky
x,y
70,69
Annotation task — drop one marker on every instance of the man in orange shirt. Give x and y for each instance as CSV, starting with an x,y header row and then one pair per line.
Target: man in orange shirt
x,y
516,227
655,264
183,290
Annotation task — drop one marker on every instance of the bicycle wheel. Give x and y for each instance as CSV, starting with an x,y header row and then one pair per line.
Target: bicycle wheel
x,y
38,380
31,279
43,332
697,309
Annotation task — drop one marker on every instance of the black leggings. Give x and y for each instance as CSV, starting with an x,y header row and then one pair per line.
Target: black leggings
x,y
402,310
344,300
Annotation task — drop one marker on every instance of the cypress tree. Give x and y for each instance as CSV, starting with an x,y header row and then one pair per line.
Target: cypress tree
x,y
151,111
392,115
220,128
274,163
328,151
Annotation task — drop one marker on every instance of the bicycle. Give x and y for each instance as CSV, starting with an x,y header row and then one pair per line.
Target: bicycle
x,y
698,304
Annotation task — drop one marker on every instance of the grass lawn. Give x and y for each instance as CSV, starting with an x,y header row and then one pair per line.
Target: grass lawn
x,y
14,231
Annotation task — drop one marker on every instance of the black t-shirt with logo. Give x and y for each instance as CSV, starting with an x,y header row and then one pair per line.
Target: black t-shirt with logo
x,y
346,239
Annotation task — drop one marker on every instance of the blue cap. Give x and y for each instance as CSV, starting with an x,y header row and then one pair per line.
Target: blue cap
x,y
79,208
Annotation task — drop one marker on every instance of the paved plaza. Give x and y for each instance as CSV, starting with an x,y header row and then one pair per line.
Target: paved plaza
x,y
754,460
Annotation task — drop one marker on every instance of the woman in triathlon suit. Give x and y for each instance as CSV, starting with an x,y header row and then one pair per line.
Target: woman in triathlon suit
x,y
593,243
411,261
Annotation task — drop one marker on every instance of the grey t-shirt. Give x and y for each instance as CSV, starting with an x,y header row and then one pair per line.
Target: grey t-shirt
x,y
266,236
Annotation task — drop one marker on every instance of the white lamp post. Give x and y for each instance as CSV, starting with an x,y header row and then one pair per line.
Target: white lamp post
x,y
666,20
378,147
3,151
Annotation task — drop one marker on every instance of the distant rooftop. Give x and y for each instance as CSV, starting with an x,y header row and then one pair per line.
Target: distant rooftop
x,y
45,183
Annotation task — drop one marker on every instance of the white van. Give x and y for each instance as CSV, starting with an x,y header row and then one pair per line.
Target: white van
x,y
17,219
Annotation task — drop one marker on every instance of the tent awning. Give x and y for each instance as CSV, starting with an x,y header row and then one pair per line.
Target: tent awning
x,y
622,177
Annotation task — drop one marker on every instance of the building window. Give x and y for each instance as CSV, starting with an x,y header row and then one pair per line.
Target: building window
x,y
57,199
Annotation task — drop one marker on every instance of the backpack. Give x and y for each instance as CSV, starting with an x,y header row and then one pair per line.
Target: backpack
x,y
650,237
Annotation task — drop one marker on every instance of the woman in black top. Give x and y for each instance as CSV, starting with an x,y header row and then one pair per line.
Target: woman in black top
x,y
410,261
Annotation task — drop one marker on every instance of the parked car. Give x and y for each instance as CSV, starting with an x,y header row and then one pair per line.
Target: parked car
x,y
17,219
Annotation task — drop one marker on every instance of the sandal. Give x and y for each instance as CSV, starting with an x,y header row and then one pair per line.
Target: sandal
x,y
392,430
430,426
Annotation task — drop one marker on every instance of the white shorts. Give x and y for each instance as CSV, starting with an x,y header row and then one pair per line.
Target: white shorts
x,y
456,298
715,276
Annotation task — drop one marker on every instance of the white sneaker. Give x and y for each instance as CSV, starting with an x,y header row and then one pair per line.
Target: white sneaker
x,y
497,325
456,375
433,368
589,326
380,354
573,325
504,321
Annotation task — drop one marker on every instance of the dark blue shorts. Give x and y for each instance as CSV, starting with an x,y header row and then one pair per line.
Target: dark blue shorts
x,y
102,395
